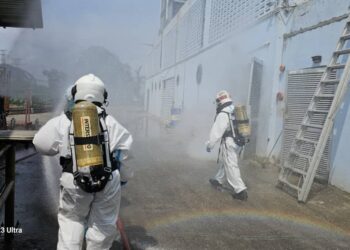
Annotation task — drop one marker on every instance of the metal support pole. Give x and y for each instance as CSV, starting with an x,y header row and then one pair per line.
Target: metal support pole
x,y
10,201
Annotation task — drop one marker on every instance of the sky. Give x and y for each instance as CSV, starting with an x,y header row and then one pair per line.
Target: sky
x,y
124,27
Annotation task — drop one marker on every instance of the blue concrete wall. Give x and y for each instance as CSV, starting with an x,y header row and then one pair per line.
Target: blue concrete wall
x,y
297,55
224,68
227,66
340,149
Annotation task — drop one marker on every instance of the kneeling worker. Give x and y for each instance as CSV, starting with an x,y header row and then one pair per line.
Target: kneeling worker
x,y
91,146
222,130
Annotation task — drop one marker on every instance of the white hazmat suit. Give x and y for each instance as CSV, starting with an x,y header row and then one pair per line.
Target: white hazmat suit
x,y
228,168
93,215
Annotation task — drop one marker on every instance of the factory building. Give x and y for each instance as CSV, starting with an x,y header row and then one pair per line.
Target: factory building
x,y
269,54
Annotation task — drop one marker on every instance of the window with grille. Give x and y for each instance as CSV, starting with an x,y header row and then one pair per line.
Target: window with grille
x,y
228,16
190,30
169,48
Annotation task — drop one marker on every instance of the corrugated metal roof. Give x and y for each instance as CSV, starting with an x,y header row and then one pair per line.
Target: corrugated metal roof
x,y
21,13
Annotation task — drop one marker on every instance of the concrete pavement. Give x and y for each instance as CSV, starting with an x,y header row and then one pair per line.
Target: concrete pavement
x,y
169,204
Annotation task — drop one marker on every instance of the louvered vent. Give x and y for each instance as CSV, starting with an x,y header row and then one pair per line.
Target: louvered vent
x,y
301,87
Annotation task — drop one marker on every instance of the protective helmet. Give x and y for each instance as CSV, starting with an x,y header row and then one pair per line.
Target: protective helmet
x,y
89,88
222,97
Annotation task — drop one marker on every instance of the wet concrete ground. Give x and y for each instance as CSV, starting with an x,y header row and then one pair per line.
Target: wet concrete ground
x,y
178,209
169,204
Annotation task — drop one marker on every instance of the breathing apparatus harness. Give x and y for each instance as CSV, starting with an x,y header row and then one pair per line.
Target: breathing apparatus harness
x,y
233,132
98,177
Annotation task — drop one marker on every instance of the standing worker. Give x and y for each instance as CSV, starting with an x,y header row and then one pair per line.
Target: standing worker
x,y
223,130
91,145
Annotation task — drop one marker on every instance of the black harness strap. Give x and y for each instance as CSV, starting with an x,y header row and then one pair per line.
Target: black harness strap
x,y
233,133
98,139
99,176
236,122
67,164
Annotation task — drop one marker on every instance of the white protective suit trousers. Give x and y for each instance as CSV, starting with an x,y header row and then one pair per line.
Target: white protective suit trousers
x,y
93,215
228,168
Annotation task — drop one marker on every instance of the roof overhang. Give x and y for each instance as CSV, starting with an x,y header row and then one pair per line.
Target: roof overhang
x,y
21,13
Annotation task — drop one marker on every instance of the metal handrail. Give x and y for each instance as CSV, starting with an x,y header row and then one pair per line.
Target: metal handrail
x,y
10,138
6,192
7,197
3,150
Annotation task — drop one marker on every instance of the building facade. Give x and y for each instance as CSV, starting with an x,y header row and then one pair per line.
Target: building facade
x,y
269,54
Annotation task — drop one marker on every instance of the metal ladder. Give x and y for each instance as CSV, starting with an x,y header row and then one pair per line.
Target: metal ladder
x,y
299,169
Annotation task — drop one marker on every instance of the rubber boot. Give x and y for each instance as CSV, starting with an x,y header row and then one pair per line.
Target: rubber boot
x,y
215,183
243,195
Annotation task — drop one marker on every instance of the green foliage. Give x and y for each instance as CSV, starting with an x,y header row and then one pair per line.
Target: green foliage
x,y
17,101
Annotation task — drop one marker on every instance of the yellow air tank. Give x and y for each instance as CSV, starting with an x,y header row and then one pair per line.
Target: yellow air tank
x,y
242,121
86,124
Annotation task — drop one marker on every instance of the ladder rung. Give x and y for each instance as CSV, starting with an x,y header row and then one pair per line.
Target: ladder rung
x,y
295,187
310,154
324,96
342,52
333,81
318,111
336,66
306,140
301,155
345,37
296,170
312,125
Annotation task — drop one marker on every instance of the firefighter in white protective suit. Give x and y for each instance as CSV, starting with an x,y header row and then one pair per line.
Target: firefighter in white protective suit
x,y
89,201
223,131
